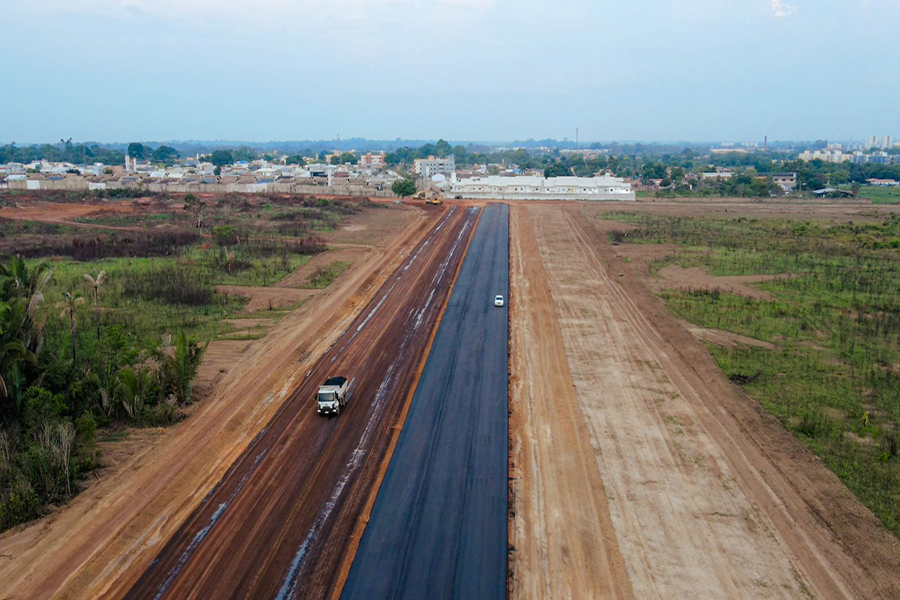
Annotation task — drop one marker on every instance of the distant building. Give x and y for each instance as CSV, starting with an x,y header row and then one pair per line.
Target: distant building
x,y
829,156
717,175
540,188
786,181
426,167
880,158
372,160
832,193
729,151
883,182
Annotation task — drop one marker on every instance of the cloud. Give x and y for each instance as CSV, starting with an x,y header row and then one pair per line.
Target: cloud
x,y
782,10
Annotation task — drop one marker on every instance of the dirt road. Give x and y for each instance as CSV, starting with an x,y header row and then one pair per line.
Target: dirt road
x,y
118,525
706,496
563,540
280,521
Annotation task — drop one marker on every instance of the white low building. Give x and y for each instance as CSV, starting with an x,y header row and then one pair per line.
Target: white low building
x,y
541,188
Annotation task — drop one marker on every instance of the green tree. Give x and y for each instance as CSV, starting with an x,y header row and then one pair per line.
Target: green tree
x,y
345,158
22,289
224,235
404,187
556,169
135,387
137,150
443,148
95,283
195,205
12,351
220,158
164,154
177,369
68,308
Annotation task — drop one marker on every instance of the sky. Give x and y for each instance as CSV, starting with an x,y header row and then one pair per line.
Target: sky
x,y
489,70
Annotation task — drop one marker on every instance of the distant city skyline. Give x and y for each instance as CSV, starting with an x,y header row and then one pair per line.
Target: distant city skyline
x,y
696,70
878,140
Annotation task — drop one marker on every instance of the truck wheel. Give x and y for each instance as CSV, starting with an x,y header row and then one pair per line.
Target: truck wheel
x,y
337,410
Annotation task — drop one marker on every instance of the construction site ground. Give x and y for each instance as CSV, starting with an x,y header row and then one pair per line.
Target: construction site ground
x,y
637,468
147,488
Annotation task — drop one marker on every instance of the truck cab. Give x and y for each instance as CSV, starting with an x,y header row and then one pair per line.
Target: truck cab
x,y
332,396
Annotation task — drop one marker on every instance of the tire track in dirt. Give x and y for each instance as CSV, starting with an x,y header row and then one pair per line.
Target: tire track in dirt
x,y
684,528
280,521
838,545
117,525
563,540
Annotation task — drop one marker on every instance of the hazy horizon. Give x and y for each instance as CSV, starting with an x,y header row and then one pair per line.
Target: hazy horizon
x,y
671,72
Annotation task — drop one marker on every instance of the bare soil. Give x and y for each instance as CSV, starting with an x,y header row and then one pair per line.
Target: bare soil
x,y
300,277
695,278
563,539
266,298
728,339
707,495
67,213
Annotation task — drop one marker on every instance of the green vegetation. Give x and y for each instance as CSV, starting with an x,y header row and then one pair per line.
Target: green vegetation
x,y
834,378
881,195
322,278
345,158
64,151
110,333
404,187
60,378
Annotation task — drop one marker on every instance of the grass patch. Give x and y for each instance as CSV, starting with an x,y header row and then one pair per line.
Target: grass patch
x,y
137,220
322,278
881,195
237,268
149,297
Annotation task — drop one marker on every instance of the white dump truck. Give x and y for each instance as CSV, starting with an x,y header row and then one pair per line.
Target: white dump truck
x,y
332,395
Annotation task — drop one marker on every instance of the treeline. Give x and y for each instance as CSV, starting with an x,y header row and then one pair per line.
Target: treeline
x,y
62,152
63,374
817,174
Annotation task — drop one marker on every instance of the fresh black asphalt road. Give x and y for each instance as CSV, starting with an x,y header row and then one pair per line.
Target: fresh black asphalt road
x,y
438,526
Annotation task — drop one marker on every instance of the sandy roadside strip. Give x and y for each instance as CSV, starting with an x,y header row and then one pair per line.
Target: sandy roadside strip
x,y
563,540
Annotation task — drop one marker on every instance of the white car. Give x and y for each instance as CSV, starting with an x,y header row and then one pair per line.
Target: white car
x,y
498,300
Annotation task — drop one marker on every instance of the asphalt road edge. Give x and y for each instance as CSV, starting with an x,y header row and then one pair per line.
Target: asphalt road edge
x,y
363,519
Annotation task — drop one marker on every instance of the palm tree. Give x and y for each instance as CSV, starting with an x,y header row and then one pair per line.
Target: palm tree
x,y
69,307
178,369
134,386
95,283
23,290
12,350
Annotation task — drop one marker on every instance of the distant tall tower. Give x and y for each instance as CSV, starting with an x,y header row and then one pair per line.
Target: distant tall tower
x,y
887,143
766,144
127,162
